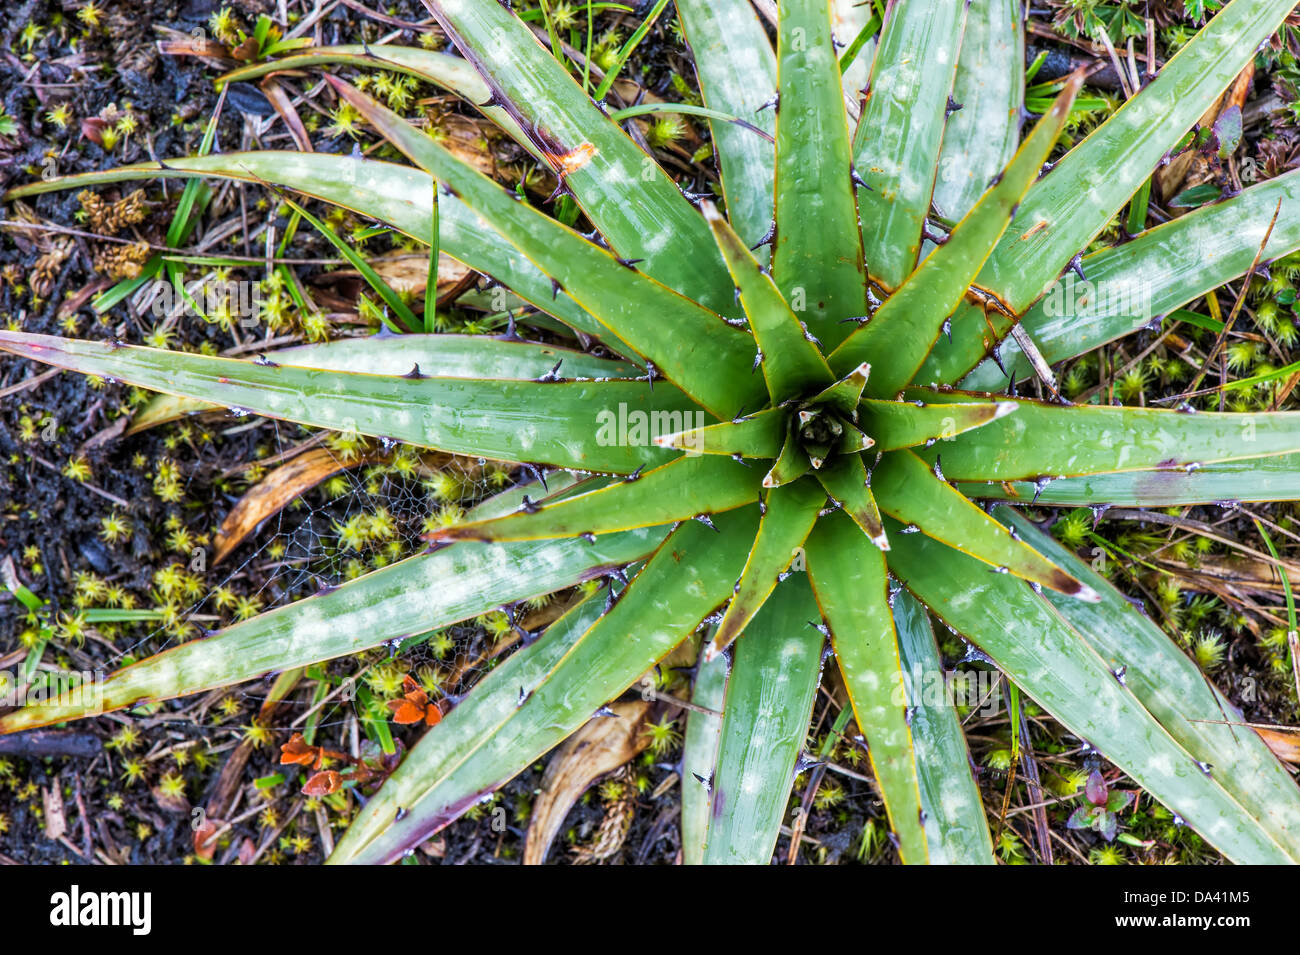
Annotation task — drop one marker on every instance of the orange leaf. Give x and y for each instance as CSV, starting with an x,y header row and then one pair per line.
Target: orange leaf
x,y
297,752
404,711
432,715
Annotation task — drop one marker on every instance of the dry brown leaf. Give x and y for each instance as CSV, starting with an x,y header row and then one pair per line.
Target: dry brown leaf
x,y
1285,744
279,99
1190,168
1241,574
273,492
410,273
463,138
602,745
56,823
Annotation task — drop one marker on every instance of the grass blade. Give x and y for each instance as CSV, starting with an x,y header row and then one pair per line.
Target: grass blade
x,y
373,278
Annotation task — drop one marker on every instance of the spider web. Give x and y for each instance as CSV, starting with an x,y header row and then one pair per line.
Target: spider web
x,y
300,549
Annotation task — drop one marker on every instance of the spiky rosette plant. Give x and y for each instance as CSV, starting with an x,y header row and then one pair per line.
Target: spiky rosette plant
x,y
783,444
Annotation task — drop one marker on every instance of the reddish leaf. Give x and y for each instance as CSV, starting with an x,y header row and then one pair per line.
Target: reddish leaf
x,y
1095,789
323,783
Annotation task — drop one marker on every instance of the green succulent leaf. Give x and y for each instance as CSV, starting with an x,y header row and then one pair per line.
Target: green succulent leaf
x,y
769,697
442,69
1073,202
637,208
955,826
737,72
1064,674
1240,481
1093,439
791,464
397,195
907,325
907,424
673,331
845,394
817,256
847,483
439,356
463,759
896,145
791,363
683,489
700,753
507,420
851,581
410,597
1128,286
981,137
1175,692
912,493
760,435
788,515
